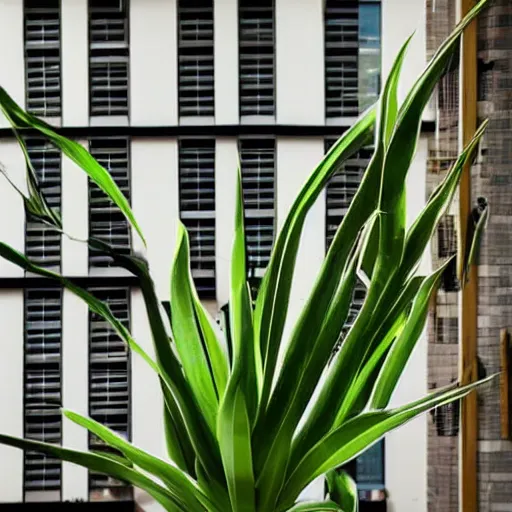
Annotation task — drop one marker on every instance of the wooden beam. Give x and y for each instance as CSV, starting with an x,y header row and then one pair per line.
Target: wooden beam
x,y
469,300
505,383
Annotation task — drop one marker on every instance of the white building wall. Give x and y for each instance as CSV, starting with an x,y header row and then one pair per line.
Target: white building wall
x,y
299,62
74,62
75,390
75,218
225,33
12,62
11,393
153,63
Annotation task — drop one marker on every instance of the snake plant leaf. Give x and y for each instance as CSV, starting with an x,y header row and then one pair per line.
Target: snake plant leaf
x,y
236,412
397,159
179,485
20,119
247,359
316,506
343,490
345,442
478,229
101,464
273,297
179,446
404,345
234,435
186,333
271,465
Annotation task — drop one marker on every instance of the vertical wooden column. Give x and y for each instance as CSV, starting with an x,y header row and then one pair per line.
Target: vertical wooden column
x,y
469,300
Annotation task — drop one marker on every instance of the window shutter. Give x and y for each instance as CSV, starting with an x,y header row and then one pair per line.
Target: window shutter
x,y
341,58
340,191
257,34
42,397
258,183
197,209
109,55
109,393
42,243
106,222
42,57
195,41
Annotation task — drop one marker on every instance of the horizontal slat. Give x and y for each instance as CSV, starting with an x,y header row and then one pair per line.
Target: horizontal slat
x,y
195,59
341,58
109,389
256,29
106,222
42,387
42,57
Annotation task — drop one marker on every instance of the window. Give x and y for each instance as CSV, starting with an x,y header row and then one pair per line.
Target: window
x,y
42,243
256,54
195,58
447,330
446,237
42,57
257,157
108,57
43,395
106,222
109,382
340,191
343,186
197,209
352,56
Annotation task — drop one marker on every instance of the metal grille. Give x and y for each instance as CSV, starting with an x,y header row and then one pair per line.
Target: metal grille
x,y
343,186
109,393
197,208
42,57
42,243
109,55
42,398
257,36
196,80
106,222
341,58
446,238
257,156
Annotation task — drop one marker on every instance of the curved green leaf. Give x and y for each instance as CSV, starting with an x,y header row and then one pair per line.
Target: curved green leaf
x,y
18,118
186,332
316,506
343,490
182,489
346,442
100,464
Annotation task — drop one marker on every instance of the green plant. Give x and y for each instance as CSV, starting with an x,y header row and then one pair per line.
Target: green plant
x,y
234,431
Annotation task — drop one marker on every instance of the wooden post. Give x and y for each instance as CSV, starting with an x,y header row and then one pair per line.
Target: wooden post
x,y
504,383
469,298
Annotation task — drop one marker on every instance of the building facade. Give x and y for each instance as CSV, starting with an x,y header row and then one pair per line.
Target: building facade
x,y
165,94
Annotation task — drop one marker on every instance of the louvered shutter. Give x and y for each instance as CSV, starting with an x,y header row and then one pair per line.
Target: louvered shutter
x,y
340,191
42,57
109,388
258,183
109,56
195,58
197,209
43,393
341,58
42,243
106,222
256,54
